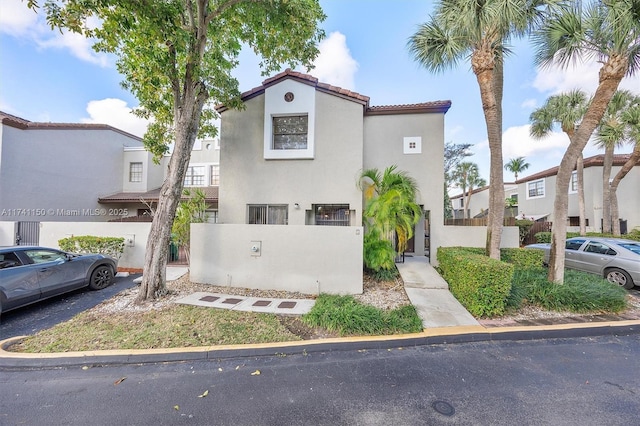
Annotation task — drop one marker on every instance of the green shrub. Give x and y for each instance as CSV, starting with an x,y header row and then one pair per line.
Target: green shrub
x,y
110,246
524,226
543,237
480,283
580,293
522,257
378,254
347,316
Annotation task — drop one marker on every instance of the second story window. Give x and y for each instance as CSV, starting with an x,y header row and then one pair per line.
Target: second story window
x,y
135,172
535,189
195,176
290,132
573,186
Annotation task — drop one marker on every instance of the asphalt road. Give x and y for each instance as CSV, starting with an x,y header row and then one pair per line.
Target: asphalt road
x,y
47,313
582,381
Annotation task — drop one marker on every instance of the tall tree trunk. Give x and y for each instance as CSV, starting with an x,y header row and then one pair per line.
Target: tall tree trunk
x,y
610,76
187,120
606,188
581,208
633,160
482,63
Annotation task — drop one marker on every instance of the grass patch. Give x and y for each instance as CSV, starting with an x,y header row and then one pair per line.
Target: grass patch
x,y
170,327
347,316
580,293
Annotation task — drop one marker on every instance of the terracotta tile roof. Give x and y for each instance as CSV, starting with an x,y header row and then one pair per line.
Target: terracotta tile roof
x,y
438,106
210,193
435,106
596,160
22,124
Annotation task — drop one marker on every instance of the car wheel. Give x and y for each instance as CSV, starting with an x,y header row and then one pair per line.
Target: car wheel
x,y
620,277
101,277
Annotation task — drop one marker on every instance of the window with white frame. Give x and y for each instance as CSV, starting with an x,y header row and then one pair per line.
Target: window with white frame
x,y
135,172
573,185
290,132
214,171
268,214
332,214
535,189
195,176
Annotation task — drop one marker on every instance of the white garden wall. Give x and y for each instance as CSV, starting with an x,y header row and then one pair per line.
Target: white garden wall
x,y
7,233
135,234
308,259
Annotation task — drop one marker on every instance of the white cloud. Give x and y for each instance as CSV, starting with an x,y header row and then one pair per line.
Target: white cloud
x,y
516,142
116,113
16,18
529,104
584,76
334,64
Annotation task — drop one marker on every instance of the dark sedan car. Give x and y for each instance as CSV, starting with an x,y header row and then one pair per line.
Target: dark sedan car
x,y
30,274
616,259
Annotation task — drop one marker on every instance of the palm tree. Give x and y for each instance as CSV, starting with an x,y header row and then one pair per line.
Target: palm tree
x,y
612,133
478,31
516,165
610,32
632,118
391,209
467,177
567,110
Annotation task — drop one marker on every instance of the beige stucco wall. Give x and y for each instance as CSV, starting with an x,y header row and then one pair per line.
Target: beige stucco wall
x,y
384,147
476,236
246,177
308,259
133,256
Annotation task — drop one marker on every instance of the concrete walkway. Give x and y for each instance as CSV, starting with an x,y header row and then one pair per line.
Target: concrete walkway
x,y
430,295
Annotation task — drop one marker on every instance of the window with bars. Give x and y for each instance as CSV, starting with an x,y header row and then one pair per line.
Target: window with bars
x,y
135,172
535,189
195,176
332,214
215,175
268,214
290,132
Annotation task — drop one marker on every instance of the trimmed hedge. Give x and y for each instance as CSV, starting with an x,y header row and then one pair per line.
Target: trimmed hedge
x,y
480,283
522,257
110,246
545,237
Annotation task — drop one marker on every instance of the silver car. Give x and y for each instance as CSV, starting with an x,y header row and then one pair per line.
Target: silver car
x,y
30,274
615,259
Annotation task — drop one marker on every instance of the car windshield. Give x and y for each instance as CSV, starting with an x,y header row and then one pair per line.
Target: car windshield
x,y
634,247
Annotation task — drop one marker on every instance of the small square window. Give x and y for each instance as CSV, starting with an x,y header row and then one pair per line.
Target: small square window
x,y
535,189
290,132
195,176
135,172
413,145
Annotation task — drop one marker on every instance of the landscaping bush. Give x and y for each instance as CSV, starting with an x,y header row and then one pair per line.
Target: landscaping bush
x,y
347,316
524,226
580,293
110,246
480,283
543,237
379,257
522,257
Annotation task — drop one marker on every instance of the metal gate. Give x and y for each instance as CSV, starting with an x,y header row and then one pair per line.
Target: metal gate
x,y
27,233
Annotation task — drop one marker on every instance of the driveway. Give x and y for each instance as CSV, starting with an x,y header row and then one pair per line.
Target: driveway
x,y
46,314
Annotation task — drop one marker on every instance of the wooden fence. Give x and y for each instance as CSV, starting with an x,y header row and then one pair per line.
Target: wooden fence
x,y
508,221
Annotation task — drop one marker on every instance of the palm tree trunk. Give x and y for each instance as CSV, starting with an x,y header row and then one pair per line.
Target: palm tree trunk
x,y
608,84
633,160
606,188
581,208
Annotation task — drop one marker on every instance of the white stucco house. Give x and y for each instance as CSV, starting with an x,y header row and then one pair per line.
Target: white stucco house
x,y
290,209
75,172
479,201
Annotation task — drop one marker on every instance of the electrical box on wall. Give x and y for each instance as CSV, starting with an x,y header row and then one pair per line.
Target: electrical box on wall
x,y
130,240
256,248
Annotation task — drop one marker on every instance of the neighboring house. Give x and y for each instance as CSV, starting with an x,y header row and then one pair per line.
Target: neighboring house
x,y
536,194
479,202
74,172
289,172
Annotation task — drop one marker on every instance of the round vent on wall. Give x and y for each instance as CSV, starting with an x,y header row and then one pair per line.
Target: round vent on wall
x,y
288,96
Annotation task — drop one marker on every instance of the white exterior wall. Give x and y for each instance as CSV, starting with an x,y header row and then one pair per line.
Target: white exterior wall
x,y
331,177
308,259
7,233
57,174
133,256
476,236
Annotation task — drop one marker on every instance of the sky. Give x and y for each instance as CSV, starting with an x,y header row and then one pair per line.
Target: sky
x,y
49,76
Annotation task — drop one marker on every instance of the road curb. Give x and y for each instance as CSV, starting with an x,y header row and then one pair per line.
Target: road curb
x,y
434,336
